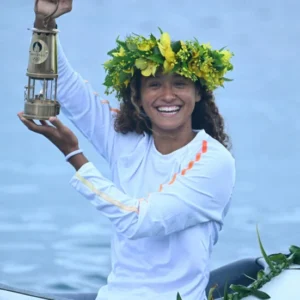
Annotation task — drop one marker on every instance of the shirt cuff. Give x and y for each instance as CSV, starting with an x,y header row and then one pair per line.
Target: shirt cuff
x,y
87,167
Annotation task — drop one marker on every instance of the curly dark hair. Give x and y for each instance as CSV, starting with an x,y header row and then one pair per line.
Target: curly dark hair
x,y
205,115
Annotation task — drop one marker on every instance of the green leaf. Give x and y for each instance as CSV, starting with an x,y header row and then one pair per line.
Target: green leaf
x,y
176,46
263,252
256,293
176,68
184,65
108,81
211,291
226,297
110,53
196,40
260,274
239,288
152,37
227,79
117,59
222,48
156,50
296,258
158,58
109,63
178,297
294,249
122,44
260,294
160,30
278,258
131,46
249,277
123,76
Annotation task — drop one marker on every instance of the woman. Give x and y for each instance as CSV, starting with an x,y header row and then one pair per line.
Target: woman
x,y
172,174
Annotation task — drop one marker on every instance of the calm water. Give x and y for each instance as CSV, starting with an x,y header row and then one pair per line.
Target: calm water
x,y
52,239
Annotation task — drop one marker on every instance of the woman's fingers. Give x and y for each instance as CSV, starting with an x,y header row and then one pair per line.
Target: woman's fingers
x,y
30,124
57,123
44,123
55,131
44,129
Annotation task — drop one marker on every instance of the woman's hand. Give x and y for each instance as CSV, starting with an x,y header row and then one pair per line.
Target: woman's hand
x,y
57,133
46,11
60,135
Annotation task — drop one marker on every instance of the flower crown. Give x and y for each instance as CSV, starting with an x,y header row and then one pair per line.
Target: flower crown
x,y
190,59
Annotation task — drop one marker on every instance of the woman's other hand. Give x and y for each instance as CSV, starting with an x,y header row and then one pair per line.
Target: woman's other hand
x,y
46,11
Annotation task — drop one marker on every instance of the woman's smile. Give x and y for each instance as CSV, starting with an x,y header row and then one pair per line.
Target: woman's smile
x,y
168,111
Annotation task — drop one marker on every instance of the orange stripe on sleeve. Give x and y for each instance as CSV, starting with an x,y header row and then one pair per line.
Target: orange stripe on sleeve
x,y
183,172
204,146
173,178
115,110
143,200
189,166
104,101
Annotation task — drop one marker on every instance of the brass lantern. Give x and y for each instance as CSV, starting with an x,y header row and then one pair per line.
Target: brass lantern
x,y
41,92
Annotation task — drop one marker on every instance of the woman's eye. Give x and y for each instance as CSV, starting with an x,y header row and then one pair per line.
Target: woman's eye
x,y
154,84
180,83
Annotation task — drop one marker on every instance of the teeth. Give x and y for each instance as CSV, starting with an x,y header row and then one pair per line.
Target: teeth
x,y
168,108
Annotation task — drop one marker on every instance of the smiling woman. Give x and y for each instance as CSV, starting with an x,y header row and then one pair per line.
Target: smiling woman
x,y
135,116
172,174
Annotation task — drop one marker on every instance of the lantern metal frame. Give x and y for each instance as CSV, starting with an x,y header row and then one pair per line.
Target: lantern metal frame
x,y
42,67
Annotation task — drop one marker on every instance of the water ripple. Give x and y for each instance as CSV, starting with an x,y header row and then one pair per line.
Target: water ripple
x,y
18,269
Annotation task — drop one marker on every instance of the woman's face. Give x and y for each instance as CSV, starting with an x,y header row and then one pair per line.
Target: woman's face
x,y
169,100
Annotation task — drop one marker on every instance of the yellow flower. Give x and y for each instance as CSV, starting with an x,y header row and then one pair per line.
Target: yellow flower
x,y
185,72
106,64
146,45
195,54
183,53
183,46
168,66
165,49
194,67
130,70
126,82
141,63
146,66
206,46
206,66
226,56
120,53
150,70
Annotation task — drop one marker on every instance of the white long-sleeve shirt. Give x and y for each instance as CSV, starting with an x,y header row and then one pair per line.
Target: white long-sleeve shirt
x,y
166,210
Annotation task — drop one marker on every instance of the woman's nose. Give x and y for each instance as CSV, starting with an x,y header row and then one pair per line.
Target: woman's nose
x,y
168,93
